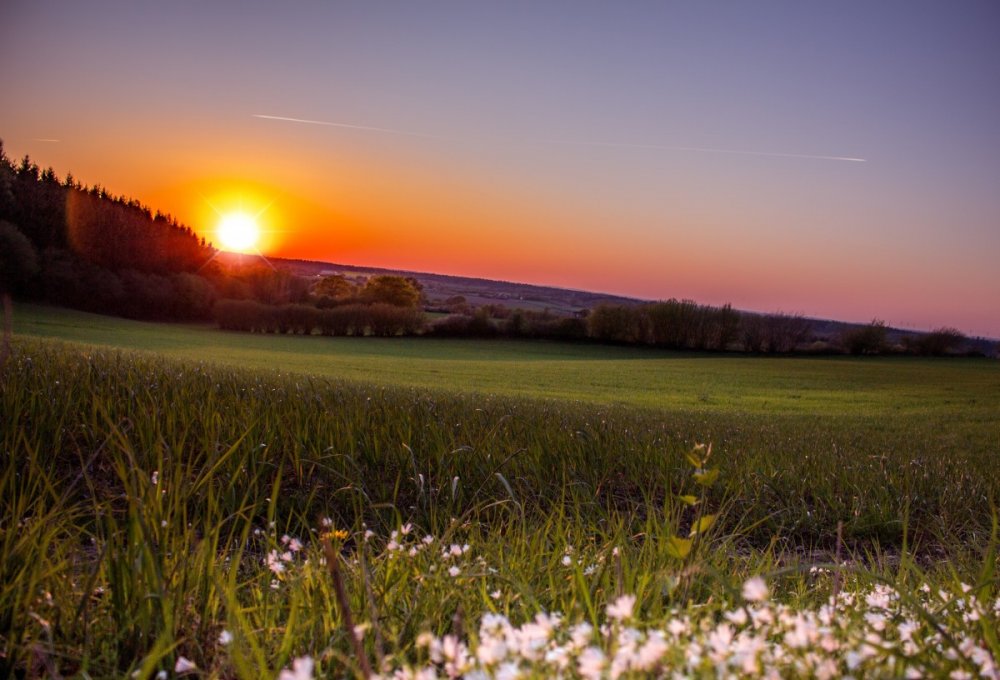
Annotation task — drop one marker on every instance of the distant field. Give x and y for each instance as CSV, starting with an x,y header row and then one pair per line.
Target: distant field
x,y
966,389
467,478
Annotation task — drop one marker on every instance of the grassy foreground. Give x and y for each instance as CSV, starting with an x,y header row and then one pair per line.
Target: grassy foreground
x,y
166,517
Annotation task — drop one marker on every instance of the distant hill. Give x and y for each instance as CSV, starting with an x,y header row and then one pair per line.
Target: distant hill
x,y
477,292
440,287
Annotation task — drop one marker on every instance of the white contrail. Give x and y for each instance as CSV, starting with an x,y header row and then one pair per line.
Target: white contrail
x,y
742,152
625,145
343,125
45,139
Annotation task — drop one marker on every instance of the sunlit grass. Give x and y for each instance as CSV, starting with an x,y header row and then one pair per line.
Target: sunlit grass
x,y
160,515
964,393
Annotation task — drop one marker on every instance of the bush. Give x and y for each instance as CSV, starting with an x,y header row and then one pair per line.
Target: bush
x,y
238,315
194,297
335,321
939,342
392,290
616,323
385,320
464,326
147,296
870,339
299,319
774,333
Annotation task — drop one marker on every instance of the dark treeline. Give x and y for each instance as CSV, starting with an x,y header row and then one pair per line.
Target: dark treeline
x,y
874,339
68,244
686,325
378,319
683,324
496,321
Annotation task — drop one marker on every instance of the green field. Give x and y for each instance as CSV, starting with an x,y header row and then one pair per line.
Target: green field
x,y
153,477
965,389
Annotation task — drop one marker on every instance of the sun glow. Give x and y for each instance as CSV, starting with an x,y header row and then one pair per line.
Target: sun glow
x,y
238,232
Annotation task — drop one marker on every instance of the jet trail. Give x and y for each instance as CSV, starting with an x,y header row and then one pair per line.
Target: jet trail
x,y
344,125
742,152
621,145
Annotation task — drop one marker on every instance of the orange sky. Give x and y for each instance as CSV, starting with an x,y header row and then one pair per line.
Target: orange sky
x,y
671,150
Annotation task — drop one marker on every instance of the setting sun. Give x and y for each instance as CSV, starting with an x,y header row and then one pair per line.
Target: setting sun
x,y
238,232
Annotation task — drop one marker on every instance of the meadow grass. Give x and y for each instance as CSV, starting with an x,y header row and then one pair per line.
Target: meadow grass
x,y
960,389
160,512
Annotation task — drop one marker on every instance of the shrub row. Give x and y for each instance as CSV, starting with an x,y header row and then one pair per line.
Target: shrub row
x,y
67,280
683,324
516,324
377,319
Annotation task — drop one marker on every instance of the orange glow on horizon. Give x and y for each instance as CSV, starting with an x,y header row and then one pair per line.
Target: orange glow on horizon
x,y
232,215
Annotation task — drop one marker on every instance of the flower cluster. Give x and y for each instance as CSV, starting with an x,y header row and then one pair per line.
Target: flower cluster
x,y
279,559
875,633
863,631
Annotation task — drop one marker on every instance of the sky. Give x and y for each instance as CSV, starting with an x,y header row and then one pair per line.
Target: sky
x,y
837,160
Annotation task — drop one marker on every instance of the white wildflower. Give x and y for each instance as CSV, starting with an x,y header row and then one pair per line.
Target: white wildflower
x,y
302,669
184,665
508,671
879,598
491,651
738,617
591,663
755,590
676,627
581,635
827,670
621,609
876,621
274,562
720,640
558,656
650,653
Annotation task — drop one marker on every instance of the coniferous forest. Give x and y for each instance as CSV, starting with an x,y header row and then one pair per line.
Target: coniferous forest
x,y
80,246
